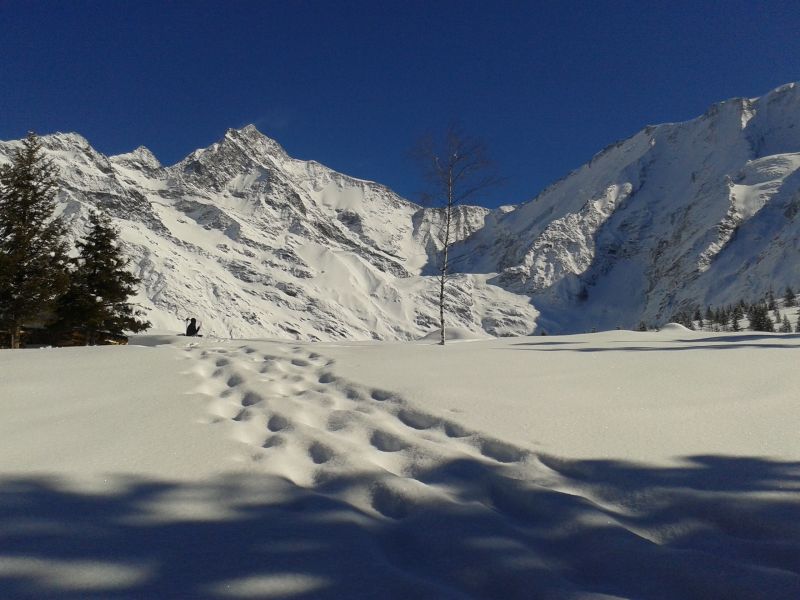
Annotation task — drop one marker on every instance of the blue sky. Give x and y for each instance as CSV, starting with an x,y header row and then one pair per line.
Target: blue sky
x,y
352,84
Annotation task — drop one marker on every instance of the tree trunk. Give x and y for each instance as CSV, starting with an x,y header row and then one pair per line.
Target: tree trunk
x,y
447,216
441,308
15,333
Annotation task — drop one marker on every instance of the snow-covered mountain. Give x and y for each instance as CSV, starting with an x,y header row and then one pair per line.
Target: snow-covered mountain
x,y
256,243
700,212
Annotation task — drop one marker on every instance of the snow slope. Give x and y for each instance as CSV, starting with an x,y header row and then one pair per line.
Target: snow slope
x,y
617,465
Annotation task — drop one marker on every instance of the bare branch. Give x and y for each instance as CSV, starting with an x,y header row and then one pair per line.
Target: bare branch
x,y
455,167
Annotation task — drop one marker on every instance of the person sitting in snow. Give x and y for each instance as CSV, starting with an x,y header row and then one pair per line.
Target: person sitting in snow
x,y
193,329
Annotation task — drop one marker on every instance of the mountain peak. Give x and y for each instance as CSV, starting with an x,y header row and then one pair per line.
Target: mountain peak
x,y
254,142
63,140
142,156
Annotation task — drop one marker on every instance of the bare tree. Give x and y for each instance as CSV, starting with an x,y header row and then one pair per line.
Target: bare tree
x,y
456,168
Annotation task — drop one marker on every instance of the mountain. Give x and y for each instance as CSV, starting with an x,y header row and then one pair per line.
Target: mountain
x,y
679,215
256,243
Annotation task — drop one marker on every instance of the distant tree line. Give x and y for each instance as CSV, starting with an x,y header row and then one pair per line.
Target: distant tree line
x,y
761,315
43,291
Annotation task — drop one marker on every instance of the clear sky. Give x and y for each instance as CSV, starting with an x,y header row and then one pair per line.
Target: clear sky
x,y
352,84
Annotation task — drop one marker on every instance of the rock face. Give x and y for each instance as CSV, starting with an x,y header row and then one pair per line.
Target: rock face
x,y
256,243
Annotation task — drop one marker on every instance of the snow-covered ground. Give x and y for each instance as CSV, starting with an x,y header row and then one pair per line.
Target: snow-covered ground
x,y
614,465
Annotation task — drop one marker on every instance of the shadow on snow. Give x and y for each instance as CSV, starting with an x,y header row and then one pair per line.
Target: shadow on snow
x,y
712,527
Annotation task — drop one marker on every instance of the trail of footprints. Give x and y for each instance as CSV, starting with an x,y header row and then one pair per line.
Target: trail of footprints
x,y
302,421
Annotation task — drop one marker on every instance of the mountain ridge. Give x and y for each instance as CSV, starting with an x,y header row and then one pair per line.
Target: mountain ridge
x,y
258,243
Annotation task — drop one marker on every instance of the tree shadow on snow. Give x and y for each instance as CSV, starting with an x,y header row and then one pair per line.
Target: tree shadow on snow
x,y
747,337
685,346
714,527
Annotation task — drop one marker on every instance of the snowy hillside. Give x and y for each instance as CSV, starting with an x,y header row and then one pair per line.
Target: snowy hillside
x,y
256,243
680,215
617,465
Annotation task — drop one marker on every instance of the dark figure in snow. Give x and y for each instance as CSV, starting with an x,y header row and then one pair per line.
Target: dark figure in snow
x,y
193,328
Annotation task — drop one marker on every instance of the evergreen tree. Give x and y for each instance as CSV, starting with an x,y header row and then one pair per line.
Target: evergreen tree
x,y
759,319
771,300
789,299
709,314
797,325
738,311
642,326
100,286
33,252
786,326
735,316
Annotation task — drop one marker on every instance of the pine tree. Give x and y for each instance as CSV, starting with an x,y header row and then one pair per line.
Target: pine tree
x,y
771,300
759,319
100,286
786,326
789,299
735,316
33,251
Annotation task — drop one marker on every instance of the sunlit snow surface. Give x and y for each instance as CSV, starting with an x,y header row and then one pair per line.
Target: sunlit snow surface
x,y
615,465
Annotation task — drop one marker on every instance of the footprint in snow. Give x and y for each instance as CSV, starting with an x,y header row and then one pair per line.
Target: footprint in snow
x,y
382,395
235,380
251,398
274,441
278,423
501,451
454,430
320,453
327,378
386,442
417,420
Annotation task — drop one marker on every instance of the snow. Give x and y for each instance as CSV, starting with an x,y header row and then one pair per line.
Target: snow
x,y
611,465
